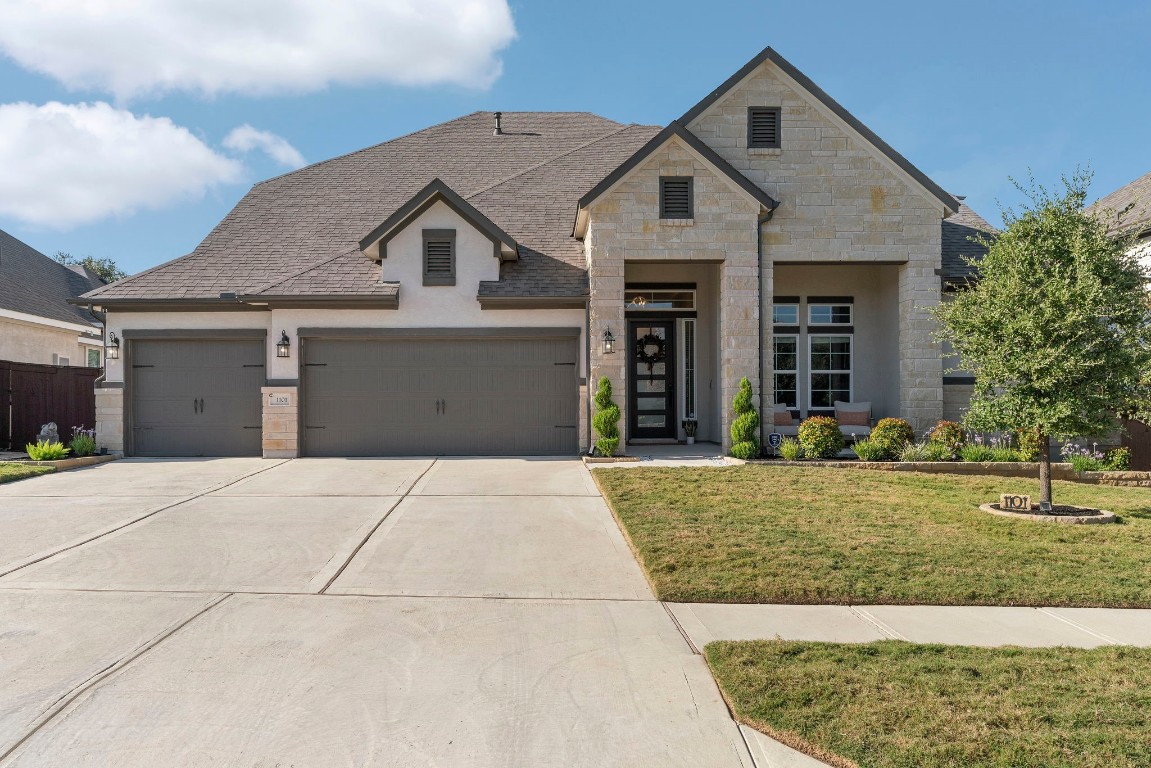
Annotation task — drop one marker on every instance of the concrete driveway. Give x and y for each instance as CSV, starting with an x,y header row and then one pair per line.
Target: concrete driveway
x,y
328,612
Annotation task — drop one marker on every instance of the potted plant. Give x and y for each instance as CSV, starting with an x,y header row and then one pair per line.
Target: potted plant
x,y
690,424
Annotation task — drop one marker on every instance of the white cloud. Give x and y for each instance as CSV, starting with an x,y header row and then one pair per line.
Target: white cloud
x,y
133,47
245,138
69,164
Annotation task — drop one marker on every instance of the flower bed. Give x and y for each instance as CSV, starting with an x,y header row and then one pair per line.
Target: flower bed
x,y
77,461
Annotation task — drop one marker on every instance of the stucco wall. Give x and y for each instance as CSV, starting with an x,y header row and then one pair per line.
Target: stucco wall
x,y
624,226
23,342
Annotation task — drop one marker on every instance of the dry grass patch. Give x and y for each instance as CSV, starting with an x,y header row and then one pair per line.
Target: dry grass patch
x,y
767,534
899,705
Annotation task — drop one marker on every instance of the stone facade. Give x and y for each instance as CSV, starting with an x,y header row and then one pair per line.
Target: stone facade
x,y
281,421
841,200
624,226
956,399
110,419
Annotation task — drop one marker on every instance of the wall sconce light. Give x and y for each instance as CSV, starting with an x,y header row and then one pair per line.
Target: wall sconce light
x,y
112,351
284,345
608,342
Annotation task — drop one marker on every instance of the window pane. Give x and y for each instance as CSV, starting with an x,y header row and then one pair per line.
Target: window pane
x,y
651,421
785,314
640,299
650,403
644,385
829,314
658,369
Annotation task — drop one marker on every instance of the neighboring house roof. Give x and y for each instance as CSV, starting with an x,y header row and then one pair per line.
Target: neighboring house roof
x,y
299,234
33,284
769,54
1137,194
958,245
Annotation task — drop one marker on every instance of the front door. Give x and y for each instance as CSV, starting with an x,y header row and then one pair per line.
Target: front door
x,y
651,379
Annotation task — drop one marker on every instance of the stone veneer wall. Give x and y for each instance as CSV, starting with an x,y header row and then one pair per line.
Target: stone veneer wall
x,y
110,418
956,399
625,227
281,437
840,201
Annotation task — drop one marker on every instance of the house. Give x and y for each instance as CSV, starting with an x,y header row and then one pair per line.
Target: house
x,y
1130,208
460,290
37,324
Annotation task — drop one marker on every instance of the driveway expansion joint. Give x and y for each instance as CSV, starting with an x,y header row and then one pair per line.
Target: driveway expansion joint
x,y
1082,628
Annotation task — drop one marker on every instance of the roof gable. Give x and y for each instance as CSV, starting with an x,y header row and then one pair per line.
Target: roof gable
x,y
375,244
821,97
740,183
34,284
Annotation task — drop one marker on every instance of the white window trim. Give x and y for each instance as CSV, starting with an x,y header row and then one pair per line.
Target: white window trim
x,y
850,313
798,383
811,369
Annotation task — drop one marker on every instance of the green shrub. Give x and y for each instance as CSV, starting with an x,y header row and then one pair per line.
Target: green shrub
x,y
1005,453
83,442
1119,460
869,450
937,452
745,426
1081,463
948,434
45,451
605,419
1028,442
893,435
790,449
977,452
820,438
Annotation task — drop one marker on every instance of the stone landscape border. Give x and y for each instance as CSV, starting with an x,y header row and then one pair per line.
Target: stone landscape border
x,y
73,463
1103,517
1029,469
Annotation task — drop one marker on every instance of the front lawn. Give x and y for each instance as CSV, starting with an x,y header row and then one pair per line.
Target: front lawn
x,y
10,471
772,534
892,704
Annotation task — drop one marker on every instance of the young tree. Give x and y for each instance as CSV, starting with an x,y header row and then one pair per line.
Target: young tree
x,y
605,419
107,269
1055,326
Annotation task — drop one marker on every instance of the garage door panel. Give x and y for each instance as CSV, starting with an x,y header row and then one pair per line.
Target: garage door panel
x,y
196,397
379,396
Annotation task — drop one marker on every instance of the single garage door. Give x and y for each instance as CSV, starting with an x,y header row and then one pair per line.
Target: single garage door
x,y
425,396
196,397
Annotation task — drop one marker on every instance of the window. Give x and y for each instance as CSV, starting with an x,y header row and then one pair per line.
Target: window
x,y
687,334
439,257
785,314
93,358
829,314
785,356
830,370
675,197
658,299
763,127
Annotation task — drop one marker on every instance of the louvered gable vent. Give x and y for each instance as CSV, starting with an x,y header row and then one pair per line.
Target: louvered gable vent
x,y
763,127
675,197
439,257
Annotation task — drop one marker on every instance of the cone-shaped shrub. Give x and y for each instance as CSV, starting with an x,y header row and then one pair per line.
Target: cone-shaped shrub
x,y
605,419
745,427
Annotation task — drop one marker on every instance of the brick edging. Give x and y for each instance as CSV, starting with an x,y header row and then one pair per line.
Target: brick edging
x,y
1059,470
73,463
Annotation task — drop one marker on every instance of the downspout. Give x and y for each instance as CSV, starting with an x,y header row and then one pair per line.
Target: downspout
x,y
587,376
762,219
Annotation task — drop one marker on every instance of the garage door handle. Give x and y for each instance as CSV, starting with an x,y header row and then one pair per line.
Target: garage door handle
x,y
201,405
195,405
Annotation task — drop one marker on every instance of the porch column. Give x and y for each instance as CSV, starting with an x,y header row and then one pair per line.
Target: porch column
x,y
920,358
606,312
739,317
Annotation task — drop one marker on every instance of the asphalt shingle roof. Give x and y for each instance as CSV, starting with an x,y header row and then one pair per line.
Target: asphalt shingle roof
x,y
957,244
34,284
1136,194
298,234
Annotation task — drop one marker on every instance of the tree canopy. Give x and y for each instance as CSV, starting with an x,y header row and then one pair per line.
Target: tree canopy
x,y
107,269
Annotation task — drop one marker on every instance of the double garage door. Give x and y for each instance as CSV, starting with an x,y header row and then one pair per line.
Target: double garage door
x,y
429,395
386,396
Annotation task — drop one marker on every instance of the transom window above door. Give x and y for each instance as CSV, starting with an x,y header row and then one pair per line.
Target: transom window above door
x,y
659,299
829,314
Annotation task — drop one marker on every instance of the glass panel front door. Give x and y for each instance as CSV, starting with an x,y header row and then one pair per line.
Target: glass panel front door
x,y
651,379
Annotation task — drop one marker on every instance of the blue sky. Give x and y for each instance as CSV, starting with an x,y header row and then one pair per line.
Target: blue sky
x,y
971,93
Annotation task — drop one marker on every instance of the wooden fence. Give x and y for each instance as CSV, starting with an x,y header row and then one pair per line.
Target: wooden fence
x,y
32,395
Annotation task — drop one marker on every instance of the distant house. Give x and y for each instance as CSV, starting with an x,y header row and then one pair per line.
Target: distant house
x,y
37,324
1130,208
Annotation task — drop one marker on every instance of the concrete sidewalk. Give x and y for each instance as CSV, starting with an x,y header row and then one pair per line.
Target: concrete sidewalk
x,y
949,625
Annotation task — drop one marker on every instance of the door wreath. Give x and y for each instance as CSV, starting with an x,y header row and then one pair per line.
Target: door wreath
x,y
650,350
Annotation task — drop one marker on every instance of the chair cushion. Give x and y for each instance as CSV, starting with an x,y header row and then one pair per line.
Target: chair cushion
x,y
782,418
853,418
842,406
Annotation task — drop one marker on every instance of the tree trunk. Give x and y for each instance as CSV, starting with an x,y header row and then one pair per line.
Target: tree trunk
x,y
1044,468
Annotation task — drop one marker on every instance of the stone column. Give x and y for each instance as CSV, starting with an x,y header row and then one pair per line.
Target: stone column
x,y
281,422
606,312
110,418
739,314
920,358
